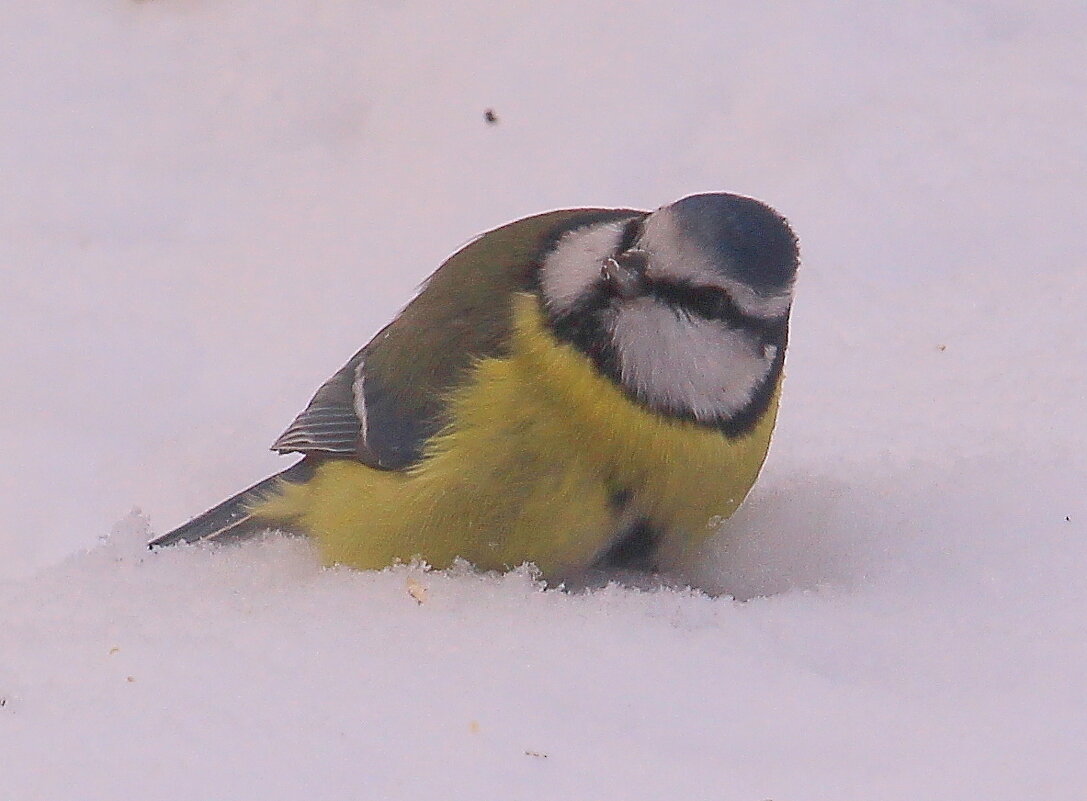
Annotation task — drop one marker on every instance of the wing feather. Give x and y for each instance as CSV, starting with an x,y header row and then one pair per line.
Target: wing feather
x,y
383,405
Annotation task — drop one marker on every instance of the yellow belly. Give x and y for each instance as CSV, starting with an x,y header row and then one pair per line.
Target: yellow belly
x,y
541,446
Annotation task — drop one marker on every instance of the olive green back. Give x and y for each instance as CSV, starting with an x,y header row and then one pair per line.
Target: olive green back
x,y
462,314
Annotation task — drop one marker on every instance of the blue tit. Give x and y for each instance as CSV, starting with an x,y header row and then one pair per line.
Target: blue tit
x,y
581,389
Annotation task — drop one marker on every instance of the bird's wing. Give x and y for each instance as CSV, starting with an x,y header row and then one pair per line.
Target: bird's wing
x,y
383,405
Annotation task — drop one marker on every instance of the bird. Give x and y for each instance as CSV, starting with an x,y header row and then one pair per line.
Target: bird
x,y
586,389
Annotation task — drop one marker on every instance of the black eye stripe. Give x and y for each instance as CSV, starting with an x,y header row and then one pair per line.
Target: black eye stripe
x,y
704,302
712,303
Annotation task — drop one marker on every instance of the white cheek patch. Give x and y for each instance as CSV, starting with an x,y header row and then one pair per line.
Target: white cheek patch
x,y
673,256
689,364
570,270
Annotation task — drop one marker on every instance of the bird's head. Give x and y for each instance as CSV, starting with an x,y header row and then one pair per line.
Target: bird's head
x,y
686,308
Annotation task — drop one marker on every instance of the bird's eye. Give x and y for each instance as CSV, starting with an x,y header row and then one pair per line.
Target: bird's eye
x,y
636,261
625,273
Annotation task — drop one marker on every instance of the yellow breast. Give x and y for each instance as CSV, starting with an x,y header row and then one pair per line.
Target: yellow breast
x,y
539,447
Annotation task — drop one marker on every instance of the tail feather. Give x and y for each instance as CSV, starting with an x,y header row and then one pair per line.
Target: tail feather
x,y
232,519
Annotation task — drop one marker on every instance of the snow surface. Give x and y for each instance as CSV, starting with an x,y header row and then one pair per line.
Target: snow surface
x,y
206,207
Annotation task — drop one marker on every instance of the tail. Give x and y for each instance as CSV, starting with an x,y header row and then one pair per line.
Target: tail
x,y
232,519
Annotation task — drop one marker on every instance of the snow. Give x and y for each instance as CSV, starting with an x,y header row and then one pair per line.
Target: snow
x,y
207,207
